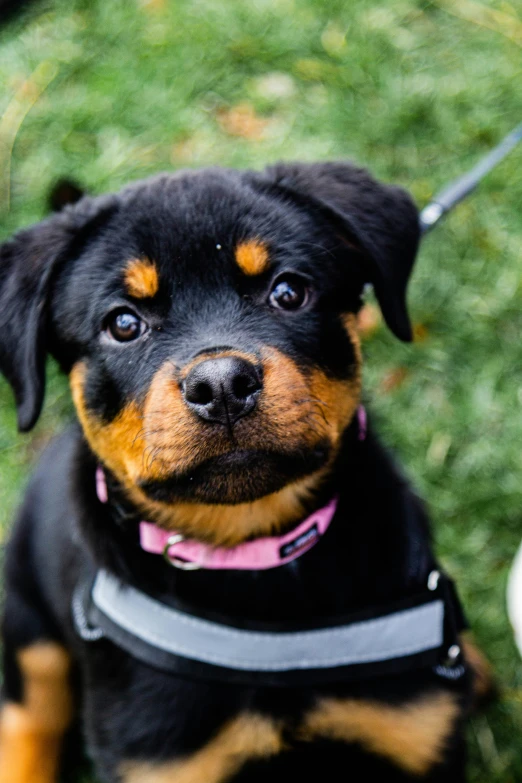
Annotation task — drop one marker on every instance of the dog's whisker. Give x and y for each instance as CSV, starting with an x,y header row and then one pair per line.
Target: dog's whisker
x,y
325,251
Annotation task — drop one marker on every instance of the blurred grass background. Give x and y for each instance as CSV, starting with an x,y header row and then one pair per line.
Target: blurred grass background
x,y
112,90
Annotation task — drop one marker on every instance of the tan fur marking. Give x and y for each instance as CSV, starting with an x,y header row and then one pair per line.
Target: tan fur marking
x,y
162,437
302,410
412,736
141,278
31,732
247,737
351,324
483,679
178,442
228,525
252,257
45,669
120,444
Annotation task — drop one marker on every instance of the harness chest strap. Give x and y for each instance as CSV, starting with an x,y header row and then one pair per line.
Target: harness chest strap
x,y
404,635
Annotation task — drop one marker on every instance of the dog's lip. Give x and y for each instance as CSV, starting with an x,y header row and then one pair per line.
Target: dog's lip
x,y
251,473
239,457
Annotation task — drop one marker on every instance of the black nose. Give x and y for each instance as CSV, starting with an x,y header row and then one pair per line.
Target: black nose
x,y
222,390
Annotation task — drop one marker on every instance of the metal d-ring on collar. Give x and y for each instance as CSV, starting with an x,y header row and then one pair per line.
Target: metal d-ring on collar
x,y
175,538
177,562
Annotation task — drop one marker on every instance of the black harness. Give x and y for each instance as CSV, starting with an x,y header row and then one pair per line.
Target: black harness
x,y
421,631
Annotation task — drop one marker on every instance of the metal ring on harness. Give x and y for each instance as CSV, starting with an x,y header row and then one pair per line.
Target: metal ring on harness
x,y
176,562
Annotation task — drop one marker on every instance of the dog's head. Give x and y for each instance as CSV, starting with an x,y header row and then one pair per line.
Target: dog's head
x,y
207,322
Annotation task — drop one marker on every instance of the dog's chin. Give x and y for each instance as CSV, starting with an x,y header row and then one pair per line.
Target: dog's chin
x,y
238,476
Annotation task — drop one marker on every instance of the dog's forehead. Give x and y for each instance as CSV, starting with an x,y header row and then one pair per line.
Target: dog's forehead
x,y
181,224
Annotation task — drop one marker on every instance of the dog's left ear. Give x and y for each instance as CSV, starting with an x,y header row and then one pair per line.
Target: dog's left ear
x,y
28,265
381,221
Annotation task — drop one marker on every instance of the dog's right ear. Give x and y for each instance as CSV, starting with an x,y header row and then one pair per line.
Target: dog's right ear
x,y
28,266
380,221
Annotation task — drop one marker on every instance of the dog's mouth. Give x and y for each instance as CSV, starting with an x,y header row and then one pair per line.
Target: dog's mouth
x,y
221,483
238,476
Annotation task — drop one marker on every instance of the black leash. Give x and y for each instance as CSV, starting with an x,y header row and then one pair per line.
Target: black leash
x,y
456,191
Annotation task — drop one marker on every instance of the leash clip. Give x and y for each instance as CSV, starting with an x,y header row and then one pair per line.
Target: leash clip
x,y
176,562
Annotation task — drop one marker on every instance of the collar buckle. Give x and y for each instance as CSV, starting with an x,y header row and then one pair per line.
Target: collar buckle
x,y
177,562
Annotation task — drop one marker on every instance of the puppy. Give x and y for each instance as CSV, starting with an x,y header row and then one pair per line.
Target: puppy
x,y
218,568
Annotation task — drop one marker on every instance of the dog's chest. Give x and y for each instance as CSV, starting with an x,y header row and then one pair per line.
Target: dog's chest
x,y
200,731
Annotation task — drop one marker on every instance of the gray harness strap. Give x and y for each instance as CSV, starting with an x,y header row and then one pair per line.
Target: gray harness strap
x,y
178,641
402,633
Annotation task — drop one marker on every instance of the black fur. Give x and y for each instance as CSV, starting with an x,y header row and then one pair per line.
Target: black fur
x,y
59,281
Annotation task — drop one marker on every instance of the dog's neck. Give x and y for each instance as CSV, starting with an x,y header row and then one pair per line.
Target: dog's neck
x,y
377,548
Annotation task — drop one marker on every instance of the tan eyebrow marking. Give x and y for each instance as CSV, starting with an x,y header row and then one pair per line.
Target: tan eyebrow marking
x,y
141,278
252,257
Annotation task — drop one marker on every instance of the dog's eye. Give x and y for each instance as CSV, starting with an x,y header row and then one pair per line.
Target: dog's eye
x,y
125,326
289,292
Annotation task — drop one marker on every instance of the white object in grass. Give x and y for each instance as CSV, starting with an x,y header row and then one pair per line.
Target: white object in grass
x,y
514,597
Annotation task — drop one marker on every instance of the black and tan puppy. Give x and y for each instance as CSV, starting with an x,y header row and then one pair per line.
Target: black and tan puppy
x,y
207,322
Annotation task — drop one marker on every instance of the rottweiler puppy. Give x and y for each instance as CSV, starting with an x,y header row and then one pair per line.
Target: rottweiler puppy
x,y
208,325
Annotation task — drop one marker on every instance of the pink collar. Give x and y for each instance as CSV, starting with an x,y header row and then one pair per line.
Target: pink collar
x,y
256,555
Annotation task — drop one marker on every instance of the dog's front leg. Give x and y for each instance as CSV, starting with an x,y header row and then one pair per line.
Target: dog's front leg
x,y
32,729
37,695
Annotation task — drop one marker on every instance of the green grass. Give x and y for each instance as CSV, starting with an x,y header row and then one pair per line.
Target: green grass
x,y
114,90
